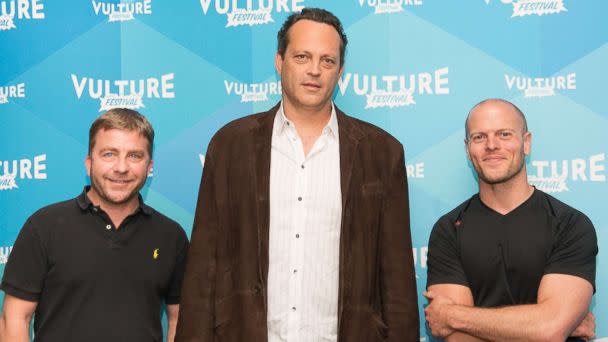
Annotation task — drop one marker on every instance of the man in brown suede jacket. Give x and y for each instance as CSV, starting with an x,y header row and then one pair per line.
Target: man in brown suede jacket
x,y
302,223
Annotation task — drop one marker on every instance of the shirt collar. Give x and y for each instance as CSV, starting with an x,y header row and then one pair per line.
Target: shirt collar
x,y
85,203
332,125
281,121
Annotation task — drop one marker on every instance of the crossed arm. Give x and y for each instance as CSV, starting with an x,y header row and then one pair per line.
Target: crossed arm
x,y
561,311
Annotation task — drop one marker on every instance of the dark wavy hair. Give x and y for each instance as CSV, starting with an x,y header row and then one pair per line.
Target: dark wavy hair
x,y
317,15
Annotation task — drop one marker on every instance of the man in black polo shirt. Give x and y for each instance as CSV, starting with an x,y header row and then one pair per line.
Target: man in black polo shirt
x,y
512,262
100,266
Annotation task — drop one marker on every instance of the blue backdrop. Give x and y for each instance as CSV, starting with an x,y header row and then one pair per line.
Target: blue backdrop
x,y
413,67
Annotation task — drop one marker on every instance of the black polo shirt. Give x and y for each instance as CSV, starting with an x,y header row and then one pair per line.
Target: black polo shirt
x,y
502,258
94,282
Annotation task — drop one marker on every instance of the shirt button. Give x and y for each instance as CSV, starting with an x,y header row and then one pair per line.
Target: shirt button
x,y
302,165
300,199
297,236
295,271
108,227
293,308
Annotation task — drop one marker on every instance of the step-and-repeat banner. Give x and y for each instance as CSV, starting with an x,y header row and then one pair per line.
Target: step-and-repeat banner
x,y
413,67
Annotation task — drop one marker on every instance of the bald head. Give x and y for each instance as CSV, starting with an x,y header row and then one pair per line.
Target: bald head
x,y
495,104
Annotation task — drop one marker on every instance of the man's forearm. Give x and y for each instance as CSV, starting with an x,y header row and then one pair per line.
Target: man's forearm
x,y
172,314
460,336
533,322
171,331
14,330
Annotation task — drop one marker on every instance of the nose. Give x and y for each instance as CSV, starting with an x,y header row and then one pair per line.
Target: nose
x,y
314,68
121,165
492,143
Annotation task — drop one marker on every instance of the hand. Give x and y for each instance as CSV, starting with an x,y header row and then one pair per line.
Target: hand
x,y
585,330
437,313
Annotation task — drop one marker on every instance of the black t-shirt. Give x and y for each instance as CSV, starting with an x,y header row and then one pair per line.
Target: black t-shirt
x,y
502,258
93,282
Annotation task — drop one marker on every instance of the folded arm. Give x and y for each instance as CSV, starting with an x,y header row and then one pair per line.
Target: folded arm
x,y
562,304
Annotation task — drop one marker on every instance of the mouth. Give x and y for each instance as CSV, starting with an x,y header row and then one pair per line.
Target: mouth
x,y
493,159
119,181
311,86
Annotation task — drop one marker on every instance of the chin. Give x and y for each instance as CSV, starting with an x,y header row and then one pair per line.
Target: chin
x,y
121,198
306,103
497,179
117,200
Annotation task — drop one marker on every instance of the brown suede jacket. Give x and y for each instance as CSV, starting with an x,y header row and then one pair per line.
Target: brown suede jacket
x,y
224,293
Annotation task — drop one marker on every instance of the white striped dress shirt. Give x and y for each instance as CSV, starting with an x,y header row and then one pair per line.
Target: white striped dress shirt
x,y
305,217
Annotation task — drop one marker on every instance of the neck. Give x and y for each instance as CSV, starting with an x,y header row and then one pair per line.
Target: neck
x,y
116,212
504,197
308,121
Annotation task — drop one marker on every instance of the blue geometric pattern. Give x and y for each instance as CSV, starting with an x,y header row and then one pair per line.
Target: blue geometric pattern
x,y
193,66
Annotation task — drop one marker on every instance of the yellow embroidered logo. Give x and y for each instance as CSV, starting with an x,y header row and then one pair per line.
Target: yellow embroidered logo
x,y
155,254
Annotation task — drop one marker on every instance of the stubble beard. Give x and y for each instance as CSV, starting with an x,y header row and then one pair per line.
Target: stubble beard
x,y
99,190
510,173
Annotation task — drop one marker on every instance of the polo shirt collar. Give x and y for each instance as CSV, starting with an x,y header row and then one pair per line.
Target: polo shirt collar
x,y
85,203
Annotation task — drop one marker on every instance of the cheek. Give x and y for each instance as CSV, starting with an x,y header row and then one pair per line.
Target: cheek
x,y
333,77
141,170
517,149
100,168
474,153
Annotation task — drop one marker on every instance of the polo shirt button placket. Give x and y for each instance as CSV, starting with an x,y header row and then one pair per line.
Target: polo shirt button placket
x,y
113,237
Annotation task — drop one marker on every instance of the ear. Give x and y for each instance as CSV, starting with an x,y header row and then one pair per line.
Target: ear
x,y
527,143
87,164
278,63
150,165
466,148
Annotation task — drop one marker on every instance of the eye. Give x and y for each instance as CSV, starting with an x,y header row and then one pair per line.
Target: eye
x,y
300,57
505,134
136,156
108,154
329,61
478,137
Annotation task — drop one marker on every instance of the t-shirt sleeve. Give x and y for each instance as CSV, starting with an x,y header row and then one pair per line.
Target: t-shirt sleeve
x,y
443,258
27,266
574,249
175,285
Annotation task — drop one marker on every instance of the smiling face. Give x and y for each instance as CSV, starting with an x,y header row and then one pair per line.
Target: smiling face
x,y
497,143
118,165
310,68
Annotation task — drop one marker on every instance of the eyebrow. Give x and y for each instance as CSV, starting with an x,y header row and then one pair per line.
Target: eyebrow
x,y
297,52
496,130
114,149
103,149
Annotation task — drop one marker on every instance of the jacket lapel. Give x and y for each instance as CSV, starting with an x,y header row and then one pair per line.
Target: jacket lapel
x,y
350,135
260,161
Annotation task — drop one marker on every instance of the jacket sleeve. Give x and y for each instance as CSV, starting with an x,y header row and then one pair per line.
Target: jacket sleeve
x,y
196,315
398,279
